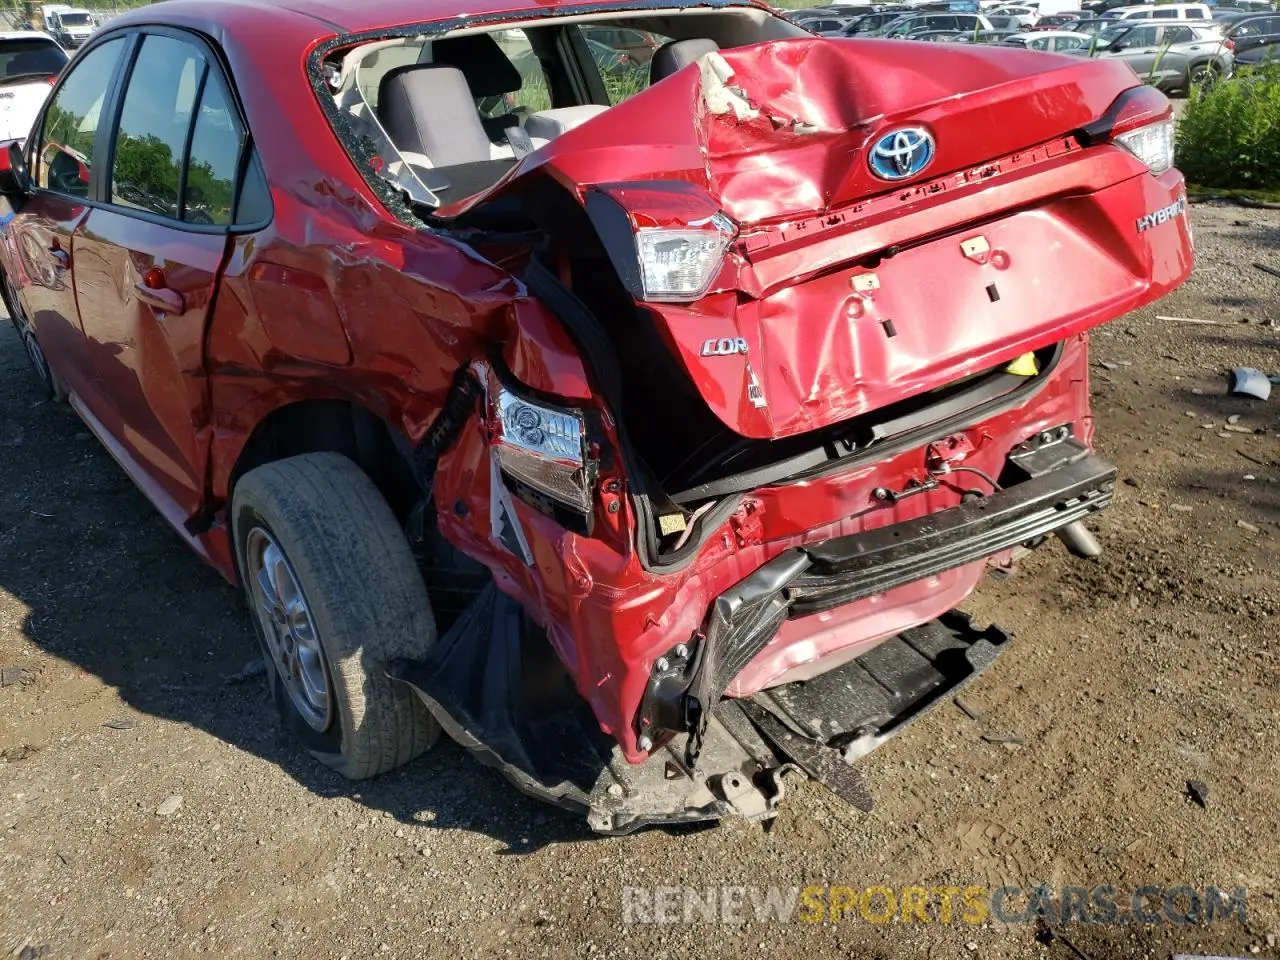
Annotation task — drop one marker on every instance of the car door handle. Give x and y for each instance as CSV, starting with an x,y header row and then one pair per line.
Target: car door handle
x,y
161,298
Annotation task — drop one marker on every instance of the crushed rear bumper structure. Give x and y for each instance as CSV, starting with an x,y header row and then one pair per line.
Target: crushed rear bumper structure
x,y
498,688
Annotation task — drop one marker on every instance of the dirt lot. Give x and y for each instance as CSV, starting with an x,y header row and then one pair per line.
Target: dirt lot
x,y
1129,676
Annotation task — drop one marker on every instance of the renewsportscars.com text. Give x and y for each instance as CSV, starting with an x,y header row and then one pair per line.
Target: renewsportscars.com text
x,y
1101,904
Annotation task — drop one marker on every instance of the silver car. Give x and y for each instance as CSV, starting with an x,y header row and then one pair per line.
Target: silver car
x,y
1174,57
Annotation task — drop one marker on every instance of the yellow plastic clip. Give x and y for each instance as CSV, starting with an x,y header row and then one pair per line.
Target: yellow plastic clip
x,y
1024,366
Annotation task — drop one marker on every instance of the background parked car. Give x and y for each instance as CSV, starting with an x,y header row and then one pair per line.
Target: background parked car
x,y
1026,16
1250,6
1253,30
29,64
1050,41
869,23
1098,7
1256,56
1172,56
1057,21
1163,11
639,45
943,36
971,23
1001,27
828,25
1091,26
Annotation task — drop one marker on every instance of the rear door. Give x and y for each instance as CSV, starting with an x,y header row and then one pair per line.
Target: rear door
x,y
1252,33
1139,49
64,159
149,256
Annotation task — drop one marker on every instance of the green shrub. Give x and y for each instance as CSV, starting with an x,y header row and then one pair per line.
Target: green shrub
x,y
1229,135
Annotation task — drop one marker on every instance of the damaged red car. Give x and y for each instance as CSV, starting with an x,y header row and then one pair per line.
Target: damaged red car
x,y
641,423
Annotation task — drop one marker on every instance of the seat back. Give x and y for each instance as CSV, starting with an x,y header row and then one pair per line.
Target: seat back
x,y
676,55
429,109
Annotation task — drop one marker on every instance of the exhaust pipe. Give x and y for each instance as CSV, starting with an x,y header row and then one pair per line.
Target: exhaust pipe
x,y
1080,541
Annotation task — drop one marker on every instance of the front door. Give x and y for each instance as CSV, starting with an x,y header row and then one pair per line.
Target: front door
x,y
148,263
61,157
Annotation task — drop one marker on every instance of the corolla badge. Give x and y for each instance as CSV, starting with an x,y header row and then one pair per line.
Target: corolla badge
x,y
901,153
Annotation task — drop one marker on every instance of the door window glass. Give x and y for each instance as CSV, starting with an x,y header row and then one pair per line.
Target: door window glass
x,y
622,58
215,158
158,105
71,123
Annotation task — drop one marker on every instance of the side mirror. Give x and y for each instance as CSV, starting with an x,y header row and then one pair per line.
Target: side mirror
x,y
15,181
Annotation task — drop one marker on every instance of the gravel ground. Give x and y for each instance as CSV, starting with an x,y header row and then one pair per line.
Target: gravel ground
x,y
1128,677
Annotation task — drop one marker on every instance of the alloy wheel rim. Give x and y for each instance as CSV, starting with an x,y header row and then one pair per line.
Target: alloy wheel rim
x,y
289,629
36,356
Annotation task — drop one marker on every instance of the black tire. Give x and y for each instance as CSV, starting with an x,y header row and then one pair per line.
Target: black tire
x,y
1203,76
50,384
364,595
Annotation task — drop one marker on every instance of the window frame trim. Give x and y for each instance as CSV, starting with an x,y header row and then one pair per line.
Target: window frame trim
x,y
36,136
113,106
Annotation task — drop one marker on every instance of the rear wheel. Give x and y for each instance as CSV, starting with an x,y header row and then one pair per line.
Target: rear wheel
x,y
335,595
1204,76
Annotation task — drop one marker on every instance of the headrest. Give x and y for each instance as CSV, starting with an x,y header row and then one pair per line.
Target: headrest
x,y
676,55
488,71
427,108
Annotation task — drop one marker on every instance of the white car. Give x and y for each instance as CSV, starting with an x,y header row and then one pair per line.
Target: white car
x,y
1163,11
1050,41
1026,16
29,64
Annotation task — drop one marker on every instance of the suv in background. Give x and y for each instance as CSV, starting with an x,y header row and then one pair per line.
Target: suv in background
x,y
1171,56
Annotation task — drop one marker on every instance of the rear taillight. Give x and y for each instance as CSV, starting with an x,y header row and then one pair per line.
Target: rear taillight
x,y
1152,144
1229,44
667,240
1141,121
680,264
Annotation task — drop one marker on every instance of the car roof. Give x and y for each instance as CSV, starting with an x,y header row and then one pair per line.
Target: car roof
x,y
24,35
346,16
1152,6
1035,34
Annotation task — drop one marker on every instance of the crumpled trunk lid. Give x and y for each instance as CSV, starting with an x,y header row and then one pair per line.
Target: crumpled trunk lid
x,y
816,104
851,292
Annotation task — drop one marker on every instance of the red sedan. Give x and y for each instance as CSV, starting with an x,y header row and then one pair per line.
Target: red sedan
x,y
640,427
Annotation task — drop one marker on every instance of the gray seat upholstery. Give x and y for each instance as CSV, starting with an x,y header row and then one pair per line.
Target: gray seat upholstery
x,y
489,72
676,55
429,109
549,124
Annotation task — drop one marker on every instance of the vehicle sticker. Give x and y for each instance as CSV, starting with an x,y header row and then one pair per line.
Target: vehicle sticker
x,y
755,392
